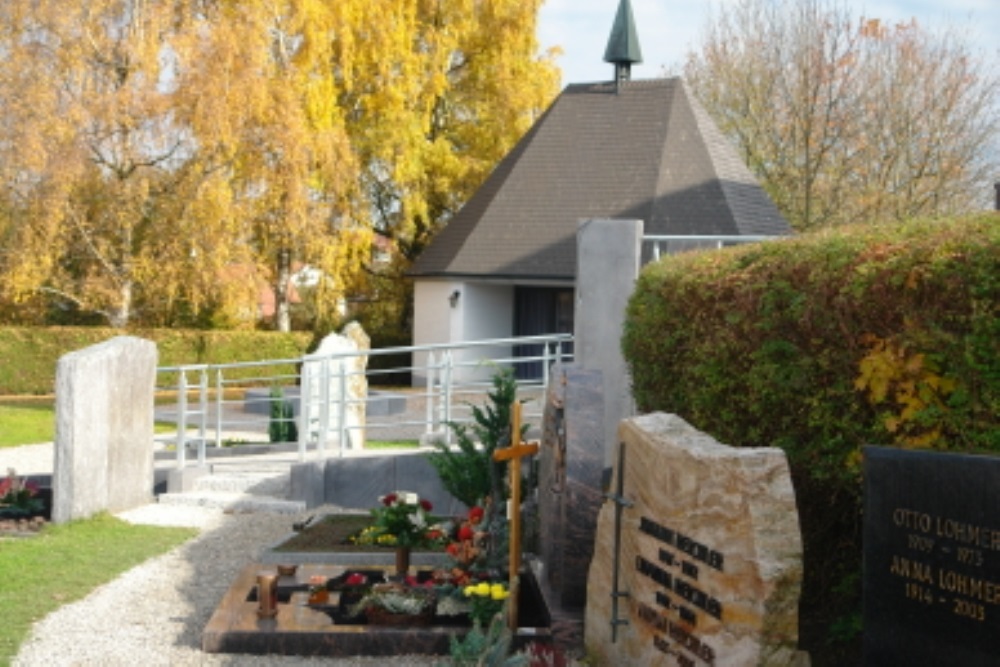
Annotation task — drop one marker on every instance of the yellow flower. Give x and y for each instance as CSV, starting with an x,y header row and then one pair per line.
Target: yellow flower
x,y
483,589
497,592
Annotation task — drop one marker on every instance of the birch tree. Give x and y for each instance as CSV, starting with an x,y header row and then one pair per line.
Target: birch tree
x,y
170,157
848,119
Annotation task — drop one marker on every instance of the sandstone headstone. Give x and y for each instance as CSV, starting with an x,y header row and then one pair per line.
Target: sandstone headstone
x,y
569,480
710,554
931,558
104,429
337,356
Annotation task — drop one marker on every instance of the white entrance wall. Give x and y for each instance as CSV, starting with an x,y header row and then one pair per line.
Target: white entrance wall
x,y
480,311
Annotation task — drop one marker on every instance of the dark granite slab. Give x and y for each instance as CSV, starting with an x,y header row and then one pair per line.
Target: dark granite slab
x,y
570,476
931,558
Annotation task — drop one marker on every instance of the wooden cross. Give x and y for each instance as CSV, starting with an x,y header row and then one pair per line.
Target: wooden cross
x,y
514,454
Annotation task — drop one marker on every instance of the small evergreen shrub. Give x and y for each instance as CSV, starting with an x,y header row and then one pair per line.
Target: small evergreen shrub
x,y
281,427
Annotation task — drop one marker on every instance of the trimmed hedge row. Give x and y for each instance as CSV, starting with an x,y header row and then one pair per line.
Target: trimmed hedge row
x,y
822,344
28,355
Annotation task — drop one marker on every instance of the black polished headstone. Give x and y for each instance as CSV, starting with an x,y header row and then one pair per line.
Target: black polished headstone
x,y
931,558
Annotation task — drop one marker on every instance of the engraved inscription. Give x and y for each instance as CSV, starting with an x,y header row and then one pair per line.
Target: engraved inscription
x,y
677,569
938,548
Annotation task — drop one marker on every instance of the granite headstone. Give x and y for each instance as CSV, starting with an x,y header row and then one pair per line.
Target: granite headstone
x,y
706,542
569,480
931,558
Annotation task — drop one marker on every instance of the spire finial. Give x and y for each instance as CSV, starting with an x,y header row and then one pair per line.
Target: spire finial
x,y
623,44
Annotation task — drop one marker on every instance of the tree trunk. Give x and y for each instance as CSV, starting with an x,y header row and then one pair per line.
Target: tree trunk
x,y
118,317
282,311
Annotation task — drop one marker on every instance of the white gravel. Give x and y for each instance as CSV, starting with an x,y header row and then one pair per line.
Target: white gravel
x,y
154,614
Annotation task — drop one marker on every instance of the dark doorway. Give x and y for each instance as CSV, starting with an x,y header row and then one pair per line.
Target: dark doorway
x,y
538,311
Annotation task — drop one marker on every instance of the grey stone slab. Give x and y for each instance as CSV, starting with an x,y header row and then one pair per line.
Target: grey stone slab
x,y
306,483
608,260
104,428
356,483
184,480
415,473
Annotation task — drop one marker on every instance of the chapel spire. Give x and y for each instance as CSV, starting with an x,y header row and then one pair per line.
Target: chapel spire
x,y
623,44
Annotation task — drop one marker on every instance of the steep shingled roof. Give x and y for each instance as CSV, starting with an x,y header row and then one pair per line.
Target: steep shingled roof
x,y
648,151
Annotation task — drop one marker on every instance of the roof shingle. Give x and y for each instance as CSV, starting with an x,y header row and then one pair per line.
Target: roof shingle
x,y
648,151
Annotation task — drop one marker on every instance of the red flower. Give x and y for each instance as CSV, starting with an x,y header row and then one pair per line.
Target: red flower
x,y
476,514
465,533
434,534
426,504
389,499
452,549
356,579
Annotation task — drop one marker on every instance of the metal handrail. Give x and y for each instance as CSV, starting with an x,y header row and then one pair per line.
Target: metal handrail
x,y
318,419
719,240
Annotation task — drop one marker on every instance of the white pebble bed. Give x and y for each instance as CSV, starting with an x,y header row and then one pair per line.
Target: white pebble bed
x,y
154,614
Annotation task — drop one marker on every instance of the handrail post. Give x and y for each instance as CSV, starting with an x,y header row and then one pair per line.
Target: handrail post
x,y
182,419
324,405
446,399
219,405
430,393
342,406
203,417
546,360
305,401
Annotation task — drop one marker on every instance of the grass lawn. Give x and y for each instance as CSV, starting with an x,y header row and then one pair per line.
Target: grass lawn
x,y
28,421
25,422
64,563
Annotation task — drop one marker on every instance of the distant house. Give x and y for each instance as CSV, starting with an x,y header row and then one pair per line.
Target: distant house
x,y
505,265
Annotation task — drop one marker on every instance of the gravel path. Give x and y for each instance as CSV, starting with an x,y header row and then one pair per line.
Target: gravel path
x,y
154,614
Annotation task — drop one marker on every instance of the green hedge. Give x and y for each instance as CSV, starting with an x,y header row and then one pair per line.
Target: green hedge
x,y
28,355
820,345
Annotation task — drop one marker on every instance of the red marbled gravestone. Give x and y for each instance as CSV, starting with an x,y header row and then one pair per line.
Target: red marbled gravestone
x,y
931,558
701,562
569,479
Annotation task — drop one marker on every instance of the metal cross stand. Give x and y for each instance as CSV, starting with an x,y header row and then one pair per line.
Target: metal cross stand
x,y
514,454
621,503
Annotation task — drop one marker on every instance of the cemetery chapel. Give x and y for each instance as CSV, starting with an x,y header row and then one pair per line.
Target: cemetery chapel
x,y
505,265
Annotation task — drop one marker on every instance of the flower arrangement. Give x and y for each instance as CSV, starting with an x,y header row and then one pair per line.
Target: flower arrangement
x,y
397,599
468,549
19,496
401,519
487,601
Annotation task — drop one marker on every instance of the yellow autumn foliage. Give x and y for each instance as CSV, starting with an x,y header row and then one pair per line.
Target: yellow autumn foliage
x,y
162,159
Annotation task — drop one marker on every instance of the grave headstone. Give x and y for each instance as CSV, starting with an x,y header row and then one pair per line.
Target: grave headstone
x,y
698,556
931,558
334,377
569,480
104,429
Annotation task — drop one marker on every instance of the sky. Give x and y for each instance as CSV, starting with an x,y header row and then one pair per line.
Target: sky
x,y
668,29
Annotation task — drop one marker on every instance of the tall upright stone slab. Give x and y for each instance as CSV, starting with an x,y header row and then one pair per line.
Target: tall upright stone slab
x,y
104,429
569,480
608,257
335,375
709,553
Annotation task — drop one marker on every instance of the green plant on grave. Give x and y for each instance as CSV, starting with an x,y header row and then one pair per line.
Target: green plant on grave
x,y
18,496
470,473
282,425
486,649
